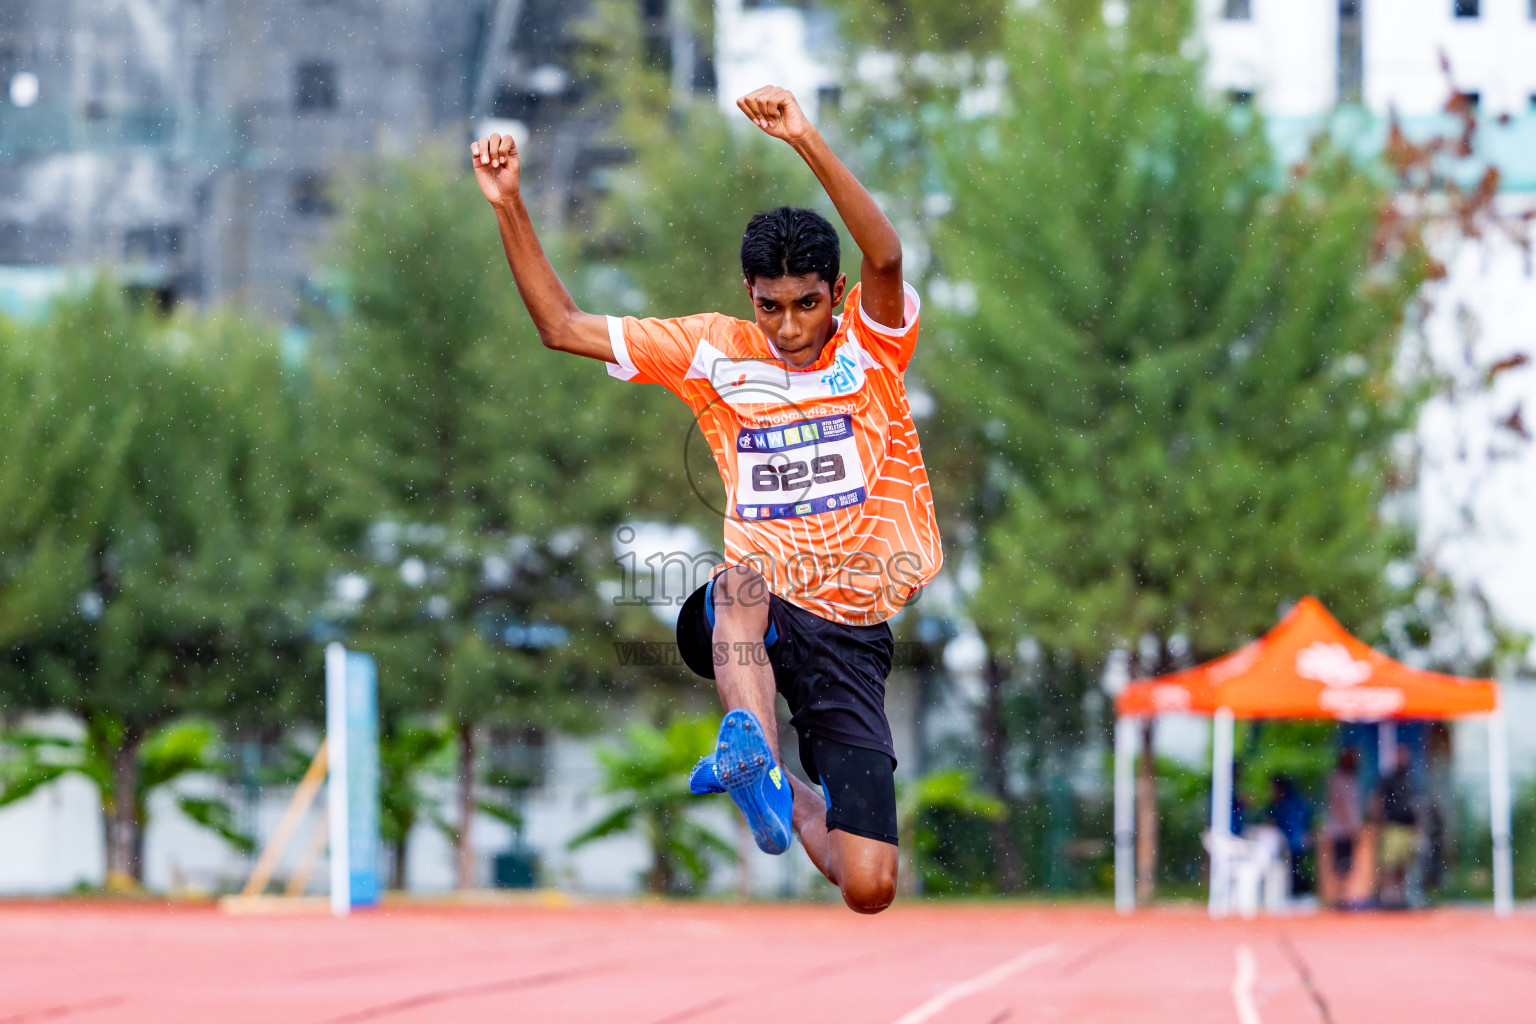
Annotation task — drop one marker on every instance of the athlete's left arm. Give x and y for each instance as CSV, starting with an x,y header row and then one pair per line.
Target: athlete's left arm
x,y
776,112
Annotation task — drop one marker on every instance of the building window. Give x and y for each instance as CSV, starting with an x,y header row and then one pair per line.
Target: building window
x,y
519,758
1466,8
13,242
311,195
1237,10
202,80
1351,53
35,242
315,86
156,242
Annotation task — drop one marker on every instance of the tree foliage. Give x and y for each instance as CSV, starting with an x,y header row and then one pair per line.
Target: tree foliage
x,y
909,27
648,777
1166,391
157,555
1162,362
474,477
943,818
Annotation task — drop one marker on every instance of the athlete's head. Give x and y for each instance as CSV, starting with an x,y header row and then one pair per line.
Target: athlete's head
x,y
789,258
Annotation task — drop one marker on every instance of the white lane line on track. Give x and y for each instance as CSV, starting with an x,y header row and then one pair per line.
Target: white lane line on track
x,y
950,996
1242,986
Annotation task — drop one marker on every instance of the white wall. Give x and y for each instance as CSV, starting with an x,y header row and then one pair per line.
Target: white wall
x,y
1286,54
1469,748
52,841
1469,465
765,46
1493,54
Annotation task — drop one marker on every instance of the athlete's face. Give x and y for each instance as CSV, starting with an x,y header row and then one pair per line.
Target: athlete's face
x,y
796,313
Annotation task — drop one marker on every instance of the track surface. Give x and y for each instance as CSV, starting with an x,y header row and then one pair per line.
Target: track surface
x,y
655,963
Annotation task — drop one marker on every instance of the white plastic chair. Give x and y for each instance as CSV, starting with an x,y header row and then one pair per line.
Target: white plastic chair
x,y
1247,872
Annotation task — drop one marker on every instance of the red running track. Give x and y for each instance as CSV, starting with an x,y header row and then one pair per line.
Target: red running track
x,y
785,964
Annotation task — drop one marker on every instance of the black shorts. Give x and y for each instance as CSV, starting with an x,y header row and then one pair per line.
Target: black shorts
x,y
860,786
833,678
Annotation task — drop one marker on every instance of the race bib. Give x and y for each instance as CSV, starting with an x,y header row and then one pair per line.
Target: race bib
x,y
801,469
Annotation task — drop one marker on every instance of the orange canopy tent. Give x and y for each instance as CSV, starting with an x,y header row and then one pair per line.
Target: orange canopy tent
x,y
1307,666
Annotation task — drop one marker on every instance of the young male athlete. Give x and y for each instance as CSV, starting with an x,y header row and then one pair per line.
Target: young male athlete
x,y
831,529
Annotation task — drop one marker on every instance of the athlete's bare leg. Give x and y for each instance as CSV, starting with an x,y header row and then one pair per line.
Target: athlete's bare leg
x,y
864,870
742,673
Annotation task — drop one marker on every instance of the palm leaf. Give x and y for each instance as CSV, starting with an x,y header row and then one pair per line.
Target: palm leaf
x,y
216,816
505,813
616,821
19,783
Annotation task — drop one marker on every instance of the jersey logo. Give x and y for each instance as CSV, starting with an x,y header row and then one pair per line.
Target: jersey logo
x,y
777,777
840,378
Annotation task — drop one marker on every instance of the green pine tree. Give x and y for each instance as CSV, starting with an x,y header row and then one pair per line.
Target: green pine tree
x,y
1166,406
1176,387
474,478
153,560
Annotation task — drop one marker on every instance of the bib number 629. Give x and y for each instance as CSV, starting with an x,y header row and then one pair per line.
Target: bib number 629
x,y
789,476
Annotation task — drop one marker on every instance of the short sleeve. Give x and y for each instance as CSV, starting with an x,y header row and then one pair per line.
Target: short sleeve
x,y
652,351
890,346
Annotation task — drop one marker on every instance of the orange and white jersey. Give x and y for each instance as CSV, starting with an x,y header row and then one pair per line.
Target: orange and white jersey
x,y
827,494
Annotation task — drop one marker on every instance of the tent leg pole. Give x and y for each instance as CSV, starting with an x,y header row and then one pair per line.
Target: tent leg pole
x,y
1499,815
1125,815
1223,730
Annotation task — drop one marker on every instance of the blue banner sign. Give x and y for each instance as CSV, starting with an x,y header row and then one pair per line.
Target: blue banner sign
x,y
352,735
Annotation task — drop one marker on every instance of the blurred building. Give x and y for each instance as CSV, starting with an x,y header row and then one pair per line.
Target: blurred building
x,y
194,146
1305,57
774,44
1347,67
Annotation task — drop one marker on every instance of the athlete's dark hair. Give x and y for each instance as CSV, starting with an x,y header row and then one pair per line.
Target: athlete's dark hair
x,y
789,242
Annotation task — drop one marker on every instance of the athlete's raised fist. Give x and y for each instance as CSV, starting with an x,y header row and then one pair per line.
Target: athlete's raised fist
x,y
496,166
775,111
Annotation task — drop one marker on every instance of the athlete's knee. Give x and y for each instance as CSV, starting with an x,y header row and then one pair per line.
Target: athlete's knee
x,y
741,595
870,892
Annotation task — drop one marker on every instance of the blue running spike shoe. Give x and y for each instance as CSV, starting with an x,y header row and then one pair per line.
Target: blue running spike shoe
x,y
703,779
749,772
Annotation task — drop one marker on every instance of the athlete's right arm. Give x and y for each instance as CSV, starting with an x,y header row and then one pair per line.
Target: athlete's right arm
x,y
561,324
